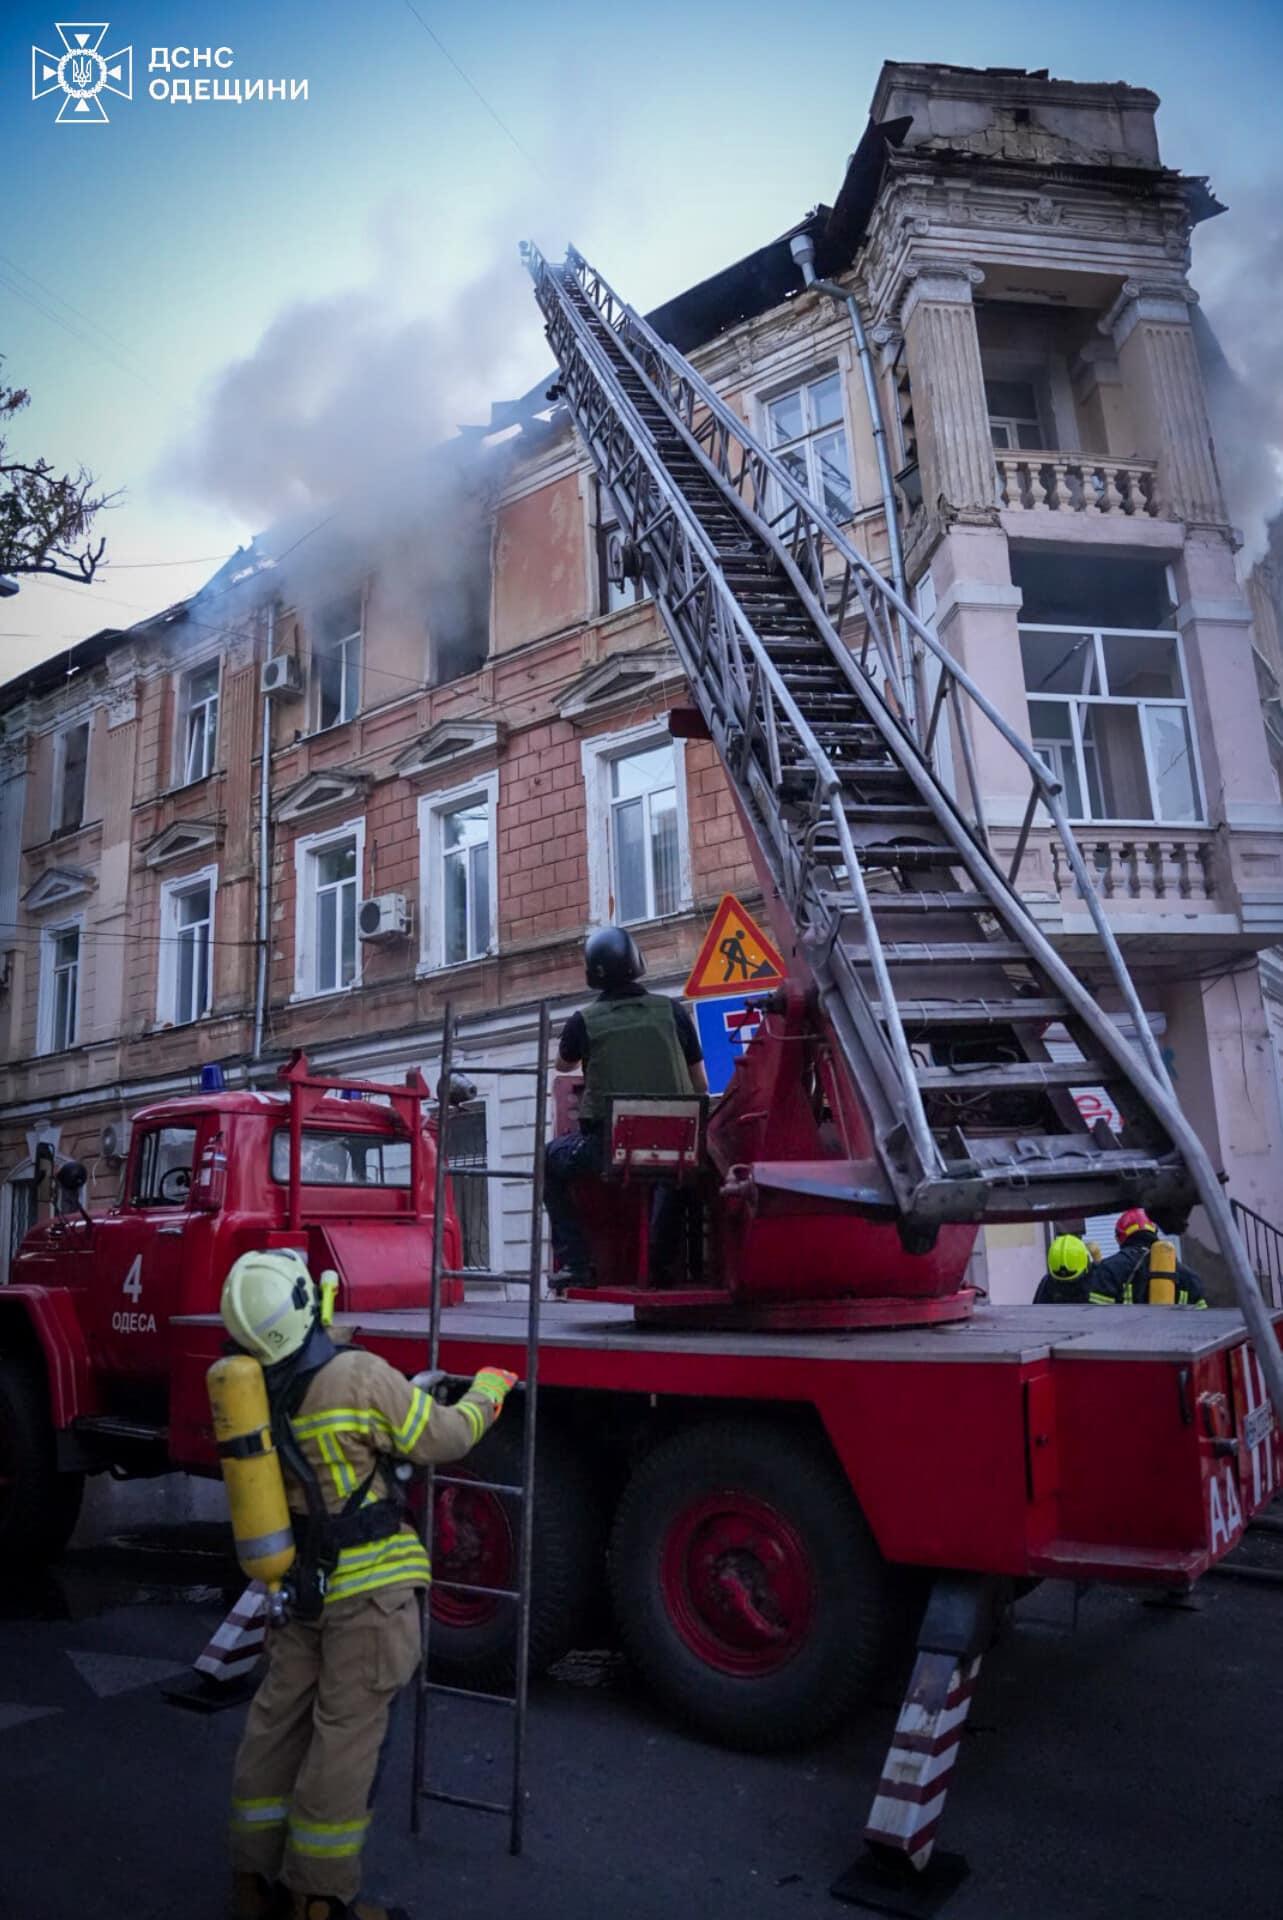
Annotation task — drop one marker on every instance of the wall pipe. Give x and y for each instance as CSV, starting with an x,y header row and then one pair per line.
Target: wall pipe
x,y
802,247
264,854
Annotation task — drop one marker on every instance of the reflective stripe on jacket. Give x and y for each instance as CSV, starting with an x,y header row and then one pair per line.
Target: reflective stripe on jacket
x,y
359,1411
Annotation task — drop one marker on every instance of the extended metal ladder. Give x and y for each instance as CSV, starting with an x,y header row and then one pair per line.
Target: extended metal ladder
x,y
935,981
523,1494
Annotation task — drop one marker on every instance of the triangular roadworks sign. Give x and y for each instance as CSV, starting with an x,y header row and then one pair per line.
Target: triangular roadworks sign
x,y
736,956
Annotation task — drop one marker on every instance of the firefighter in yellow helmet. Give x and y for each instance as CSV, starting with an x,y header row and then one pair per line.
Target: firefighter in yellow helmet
x,y
1068,1279
341,1418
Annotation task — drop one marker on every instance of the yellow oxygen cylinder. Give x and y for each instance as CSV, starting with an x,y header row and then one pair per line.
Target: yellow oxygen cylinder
x,y
1162,1274
251,1469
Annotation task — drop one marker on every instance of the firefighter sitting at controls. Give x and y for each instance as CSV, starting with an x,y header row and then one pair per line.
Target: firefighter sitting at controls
x,y
1125,1276
341,1418
1070,1276
626,1041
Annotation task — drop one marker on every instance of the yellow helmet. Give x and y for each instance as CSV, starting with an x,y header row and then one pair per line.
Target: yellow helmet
x,y
269,1303
1067,1257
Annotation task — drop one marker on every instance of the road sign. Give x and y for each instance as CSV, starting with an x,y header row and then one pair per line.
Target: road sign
x,y
736,956
725,1029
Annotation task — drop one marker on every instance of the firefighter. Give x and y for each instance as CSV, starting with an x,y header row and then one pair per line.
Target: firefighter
x,y
305,1771
1069,1279
1125,1275
625,1041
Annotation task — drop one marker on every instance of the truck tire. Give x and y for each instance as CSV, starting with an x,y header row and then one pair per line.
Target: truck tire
x,y
39,1506
472,1641
748,1588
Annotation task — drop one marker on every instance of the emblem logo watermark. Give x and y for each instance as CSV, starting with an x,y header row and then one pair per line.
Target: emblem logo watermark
x,y
82,72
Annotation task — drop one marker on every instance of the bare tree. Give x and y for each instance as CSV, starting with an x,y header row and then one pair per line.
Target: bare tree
x,y
45,516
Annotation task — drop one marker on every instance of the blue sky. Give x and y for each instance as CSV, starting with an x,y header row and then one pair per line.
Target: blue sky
x,y
140,258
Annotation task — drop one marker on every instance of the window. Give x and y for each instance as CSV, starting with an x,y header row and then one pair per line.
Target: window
x,y
1109,715
198,722
805,428
328,870
70,765
459,908
163,1168
1013,414
23,1200
186,947
336,662
332,1159
466,1147
58,1016
616,591
638,857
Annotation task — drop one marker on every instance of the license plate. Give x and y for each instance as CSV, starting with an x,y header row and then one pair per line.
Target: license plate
x,y
1258,1426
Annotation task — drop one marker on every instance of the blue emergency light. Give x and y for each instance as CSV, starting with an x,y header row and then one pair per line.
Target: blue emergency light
x,y
351,1093
212,1079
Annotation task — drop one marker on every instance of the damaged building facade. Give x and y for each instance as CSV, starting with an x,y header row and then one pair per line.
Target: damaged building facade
x,y
458,786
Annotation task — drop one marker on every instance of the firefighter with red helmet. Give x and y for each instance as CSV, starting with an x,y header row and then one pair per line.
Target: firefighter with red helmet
x,y
1124,1277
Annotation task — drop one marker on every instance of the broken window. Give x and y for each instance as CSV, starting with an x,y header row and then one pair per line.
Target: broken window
x,y
198,722
71,764
616,589
459,605
806,430
1109,717
336,662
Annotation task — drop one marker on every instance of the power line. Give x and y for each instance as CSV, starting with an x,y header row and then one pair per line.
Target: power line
x,y
62,301
472,86
77,333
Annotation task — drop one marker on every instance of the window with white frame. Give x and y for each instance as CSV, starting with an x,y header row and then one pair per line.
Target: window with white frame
x,y
1014,414
328,869
58,1013
187,947
336,662
458,873
197,722
1109,715
617,590
806,430
70,768
638,851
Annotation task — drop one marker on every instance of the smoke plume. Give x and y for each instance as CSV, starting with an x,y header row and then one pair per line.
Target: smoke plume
x,y
1238,269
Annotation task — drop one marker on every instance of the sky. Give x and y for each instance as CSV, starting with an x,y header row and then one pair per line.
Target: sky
x,y
216,306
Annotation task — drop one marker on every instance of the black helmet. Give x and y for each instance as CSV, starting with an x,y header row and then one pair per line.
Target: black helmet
x,y
612,958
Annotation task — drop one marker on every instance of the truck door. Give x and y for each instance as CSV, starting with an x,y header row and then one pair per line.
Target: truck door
x,y
139,1259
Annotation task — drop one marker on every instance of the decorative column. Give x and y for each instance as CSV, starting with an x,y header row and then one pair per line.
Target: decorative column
x,y
1150,327
942,349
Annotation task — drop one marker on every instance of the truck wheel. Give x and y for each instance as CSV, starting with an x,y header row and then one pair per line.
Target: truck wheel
x,y
39,1506
476,1537
747,1585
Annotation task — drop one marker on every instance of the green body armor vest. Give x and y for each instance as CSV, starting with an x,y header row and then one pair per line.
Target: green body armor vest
x,y
633,1047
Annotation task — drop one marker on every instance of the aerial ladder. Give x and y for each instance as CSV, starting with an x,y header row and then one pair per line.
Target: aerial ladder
x,y
932,978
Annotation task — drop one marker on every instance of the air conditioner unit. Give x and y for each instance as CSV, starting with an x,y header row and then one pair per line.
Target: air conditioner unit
x,y
281,674
113,1141
384,917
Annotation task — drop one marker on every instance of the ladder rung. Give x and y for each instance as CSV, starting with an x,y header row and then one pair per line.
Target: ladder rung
x,y
485,1593
483,1173
998,1074
463,1693
930,953
483,1486
485,1273
926,900
975,1013
466,1800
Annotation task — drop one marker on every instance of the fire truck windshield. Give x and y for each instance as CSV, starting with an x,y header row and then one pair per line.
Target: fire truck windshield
x,y
335,1159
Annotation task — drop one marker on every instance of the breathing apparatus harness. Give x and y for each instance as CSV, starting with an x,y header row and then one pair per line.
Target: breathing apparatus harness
x,y
321,1536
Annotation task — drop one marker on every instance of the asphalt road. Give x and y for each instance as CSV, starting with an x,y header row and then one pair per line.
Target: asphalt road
x,y
1130,1767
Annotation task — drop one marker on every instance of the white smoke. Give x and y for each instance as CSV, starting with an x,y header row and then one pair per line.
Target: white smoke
x,y
1238,270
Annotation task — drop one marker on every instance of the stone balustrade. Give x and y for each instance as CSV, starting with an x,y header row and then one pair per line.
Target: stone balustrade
x,y
1041,482
1145,866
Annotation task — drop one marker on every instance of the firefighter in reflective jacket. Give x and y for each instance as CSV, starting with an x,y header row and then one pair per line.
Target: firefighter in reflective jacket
x,y
306,1766
1125,1275
1070,1276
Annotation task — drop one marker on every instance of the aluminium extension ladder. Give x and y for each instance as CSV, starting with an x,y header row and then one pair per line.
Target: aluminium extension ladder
x,y
522,1494
805,666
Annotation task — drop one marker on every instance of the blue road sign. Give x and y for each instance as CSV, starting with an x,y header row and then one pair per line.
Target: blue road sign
x,y
725,1029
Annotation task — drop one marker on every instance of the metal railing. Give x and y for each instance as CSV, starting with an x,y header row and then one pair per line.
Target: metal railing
x,y
1264,1244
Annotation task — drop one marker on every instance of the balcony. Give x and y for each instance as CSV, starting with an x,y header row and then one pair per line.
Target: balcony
x,y
1040,481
